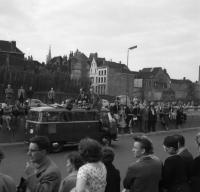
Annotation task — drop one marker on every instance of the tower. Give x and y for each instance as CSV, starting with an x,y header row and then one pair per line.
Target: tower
x,y
48,58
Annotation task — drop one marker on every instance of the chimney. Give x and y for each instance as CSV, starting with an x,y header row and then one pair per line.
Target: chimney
x,y
13,45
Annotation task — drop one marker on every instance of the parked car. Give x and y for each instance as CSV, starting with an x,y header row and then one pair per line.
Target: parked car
x,y
36,103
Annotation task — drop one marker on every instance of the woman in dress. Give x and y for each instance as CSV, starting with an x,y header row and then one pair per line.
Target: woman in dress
x,y
92,175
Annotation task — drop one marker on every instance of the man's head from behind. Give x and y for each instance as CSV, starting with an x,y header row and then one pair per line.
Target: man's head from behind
x,y
180,139
38,148
170,144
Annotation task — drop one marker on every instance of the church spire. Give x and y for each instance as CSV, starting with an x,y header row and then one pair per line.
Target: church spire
x,y
48,58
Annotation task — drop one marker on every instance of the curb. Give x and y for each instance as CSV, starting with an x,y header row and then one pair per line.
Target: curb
x,y
125,134
162,132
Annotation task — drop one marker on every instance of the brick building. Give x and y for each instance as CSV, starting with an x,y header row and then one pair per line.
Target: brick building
x,y
183,88
155,84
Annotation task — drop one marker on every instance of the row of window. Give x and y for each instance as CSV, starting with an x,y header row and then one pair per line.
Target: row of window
x,y
102,72
155,84
101,90
100,79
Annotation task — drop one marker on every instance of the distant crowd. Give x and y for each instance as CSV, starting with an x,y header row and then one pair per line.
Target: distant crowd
x,y
91,168
136,115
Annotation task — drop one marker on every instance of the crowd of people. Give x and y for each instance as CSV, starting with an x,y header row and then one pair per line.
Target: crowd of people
x,y
144,116
91,168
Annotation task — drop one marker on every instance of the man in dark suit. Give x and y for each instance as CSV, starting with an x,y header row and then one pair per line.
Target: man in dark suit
x,y
185,155
42,173
143,175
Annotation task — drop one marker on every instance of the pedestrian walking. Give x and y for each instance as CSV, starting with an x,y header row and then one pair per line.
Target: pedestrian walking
x,y
42,174
143,175
113,174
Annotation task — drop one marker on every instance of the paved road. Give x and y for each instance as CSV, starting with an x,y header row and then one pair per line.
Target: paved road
x,y
14,162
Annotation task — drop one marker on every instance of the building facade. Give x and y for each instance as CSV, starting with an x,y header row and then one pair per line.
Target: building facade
x,y
110,78
10,54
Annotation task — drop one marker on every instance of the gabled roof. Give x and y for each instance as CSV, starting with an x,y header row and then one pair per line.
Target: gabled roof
x,y
149,73
7,46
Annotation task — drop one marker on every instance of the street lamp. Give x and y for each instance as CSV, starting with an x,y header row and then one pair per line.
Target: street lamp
x,y
127,84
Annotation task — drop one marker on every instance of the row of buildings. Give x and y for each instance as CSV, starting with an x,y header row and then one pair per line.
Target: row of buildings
x,y
111,78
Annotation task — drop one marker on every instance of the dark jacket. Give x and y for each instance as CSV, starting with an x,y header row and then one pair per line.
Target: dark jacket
x,y
112,178
174,175
144,175
188,160
195,179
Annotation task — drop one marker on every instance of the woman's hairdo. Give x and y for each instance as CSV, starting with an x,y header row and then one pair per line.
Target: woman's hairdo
x,y
90,150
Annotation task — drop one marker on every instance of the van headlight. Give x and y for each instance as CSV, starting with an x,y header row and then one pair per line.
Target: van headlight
x,y
31,131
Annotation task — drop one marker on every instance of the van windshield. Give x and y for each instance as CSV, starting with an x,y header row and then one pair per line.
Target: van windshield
x,y
33,115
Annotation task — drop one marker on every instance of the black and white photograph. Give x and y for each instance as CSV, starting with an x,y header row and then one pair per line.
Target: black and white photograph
x,y
99,96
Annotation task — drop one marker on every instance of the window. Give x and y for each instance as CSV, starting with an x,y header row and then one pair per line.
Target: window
x,y
105,72
104,79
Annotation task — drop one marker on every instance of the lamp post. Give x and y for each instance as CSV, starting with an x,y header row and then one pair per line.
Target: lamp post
x,y
127,84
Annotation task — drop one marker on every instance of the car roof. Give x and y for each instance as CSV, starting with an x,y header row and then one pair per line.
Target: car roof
x,y
58,109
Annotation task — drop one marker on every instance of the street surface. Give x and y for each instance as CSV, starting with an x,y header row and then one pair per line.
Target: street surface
x,y
15,156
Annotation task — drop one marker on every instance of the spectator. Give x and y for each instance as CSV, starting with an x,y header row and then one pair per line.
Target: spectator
x,y
21,95
51,96
145,118
152,118
195,180
174,169
73,162
82,96
143,175
42,173
7,113
9,94
113,174
29,94
185,155
94,99
92,175
6,182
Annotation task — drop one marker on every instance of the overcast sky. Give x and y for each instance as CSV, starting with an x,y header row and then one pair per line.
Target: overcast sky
x,y
167,32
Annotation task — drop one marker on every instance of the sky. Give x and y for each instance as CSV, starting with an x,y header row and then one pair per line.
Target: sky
x,y
166,32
